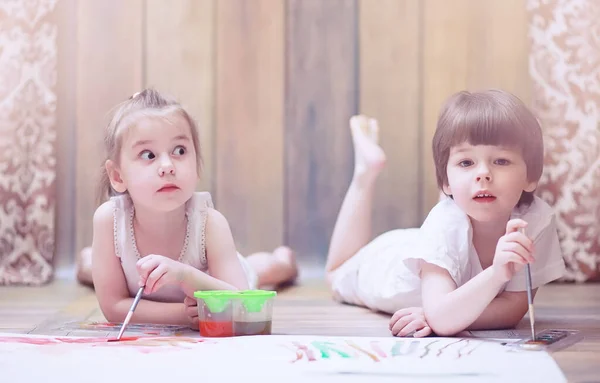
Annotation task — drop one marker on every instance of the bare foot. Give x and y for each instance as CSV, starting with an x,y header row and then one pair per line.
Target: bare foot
x,y
369,158
287,258
276,268
84,266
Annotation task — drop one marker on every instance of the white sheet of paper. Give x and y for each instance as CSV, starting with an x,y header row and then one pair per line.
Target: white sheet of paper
x,y
271,359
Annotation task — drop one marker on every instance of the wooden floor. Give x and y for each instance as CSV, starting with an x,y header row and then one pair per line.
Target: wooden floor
x,y
308,309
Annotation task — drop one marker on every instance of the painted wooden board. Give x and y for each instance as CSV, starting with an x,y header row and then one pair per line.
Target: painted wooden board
x,y
321,96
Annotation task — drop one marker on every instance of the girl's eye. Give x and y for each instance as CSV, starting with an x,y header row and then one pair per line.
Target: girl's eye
x,y
465,163
147,155
502,161
179,150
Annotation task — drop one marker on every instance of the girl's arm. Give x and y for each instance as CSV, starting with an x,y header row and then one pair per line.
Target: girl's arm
x,y
109,280
226,272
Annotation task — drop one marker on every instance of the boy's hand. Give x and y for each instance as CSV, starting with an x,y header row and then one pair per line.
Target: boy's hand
x,y
157,271
409,320
513,251
191,311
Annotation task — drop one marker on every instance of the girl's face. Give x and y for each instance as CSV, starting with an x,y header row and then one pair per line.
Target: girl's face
x,y
487,181
157,165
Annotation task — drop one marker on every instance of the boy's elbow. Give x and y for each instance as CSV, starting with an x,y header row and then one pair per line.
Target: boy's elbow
x,y
440,328
440,325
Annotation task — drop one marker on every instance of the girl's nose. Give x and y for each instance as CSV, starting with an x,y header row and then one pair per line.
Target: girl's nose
x,y
166,167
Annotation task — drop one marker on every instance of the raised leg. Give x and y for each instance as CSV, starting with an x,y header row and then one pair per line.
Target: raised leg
x,y
352,229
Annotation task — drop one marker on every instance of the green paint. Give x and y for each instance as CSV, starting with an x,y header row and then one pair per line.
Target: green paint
x,y
326,347
396,348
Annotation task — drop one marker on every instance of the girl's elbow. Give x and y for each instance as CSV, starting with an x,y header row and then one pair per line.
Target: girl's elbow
x,y
111,313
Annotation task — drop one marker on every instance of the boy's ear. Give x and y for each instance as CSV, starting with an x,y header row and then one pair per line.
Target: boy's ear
x,y
114,175
446,189
531,187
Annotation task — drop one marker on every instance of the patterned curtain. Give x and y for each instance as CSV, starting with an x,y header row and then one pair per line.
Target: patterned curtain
x,y
28,71
565,68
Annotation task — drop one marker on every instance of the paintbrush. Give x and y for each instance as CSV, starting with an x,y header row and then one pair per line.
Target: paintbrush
x,y
529,296
530,300
136,300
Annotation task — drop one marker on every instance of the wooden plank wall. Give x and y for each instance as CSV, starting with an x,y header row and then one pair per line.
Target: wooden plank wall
x,y
272,84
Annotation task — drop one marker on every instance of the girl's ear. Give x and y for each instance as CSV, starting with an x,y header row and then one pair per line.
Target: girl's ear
x,y
114,175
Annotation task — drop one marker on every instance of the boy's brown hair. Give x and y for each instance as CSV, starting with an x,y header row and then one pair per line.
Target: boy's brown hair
x,y
491,117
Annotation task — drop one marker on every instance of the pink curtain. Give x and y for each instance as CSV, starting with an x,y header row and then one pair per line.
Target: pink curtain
x,y
28,50
565,67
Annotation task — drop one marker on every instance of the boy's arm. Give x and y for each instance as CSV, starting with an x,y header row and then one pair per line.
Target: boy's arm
x,y
505,311
450,310
110,285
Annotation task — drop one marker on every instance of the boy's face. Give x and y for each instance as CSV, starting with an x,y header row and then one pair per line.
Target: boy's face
x,y
158,163
487,181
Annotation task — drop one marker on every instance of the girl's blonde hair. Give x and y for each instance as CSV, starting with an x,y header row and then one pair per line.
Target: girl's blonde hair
x,y
147,103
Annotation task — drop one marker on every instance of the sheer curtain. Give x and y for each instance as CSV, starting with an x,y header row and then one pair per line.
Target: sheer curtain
x,y
565,68
28,52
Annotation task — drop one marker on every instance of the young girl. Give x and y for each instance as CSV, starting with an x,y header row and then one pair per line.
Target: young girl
x,y
464,267
156,230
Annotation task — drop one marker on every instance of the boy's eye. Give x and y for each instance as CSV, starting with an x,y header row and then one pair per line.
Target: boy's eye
x,y
179,150
465,163
502,161
147,155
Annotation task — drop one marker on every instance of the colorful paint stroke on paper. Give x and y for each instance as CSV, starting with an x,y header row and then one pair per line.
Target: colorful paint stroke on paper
x,y
271,358
109,328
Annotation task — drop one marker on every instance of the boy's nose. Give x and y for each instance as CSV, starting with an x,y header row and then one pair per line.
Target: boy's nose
x,y
483,173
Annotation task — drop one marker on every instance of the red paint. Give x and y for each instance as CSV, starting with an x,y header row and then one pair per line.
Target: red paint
x,y
215,329
47,341
123,339
377,349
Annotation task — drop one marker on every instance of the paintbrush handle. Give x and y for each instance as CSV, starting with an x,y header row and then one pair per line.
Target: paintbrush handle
x,y
528,281
137,298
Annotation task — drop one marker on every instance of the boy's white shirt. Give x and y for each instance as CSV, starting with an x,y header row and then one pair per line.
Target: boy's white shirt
x,y
446,240
384,275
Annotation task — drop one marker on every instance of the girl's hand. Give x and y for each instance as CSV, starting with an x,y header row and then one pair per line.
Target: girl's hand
x,y
157,271
191,311
513,251
409,321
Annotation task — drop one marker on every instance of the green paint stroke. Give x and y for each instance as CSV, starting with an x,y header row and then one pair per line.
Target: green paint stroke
x,y
396,348
326,348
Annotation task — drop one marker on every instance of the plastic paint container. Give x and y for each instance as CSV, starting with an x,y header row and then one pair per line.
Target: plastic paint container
x,y
235,313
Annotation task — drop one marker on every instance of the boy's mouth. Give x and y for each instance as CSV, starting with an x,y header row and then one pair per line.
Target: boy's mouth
x,y
484,197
